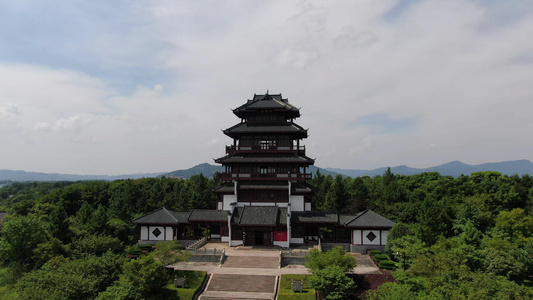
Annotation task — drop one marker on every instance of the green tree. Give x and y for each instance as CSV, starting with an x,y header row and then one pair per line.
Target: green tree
x,y
59,224
142,278
471,235
392,291
358,192
80,278
515,224
337,196
20,236
95,245
98,221
328,272
317,260
434,221
48,250
169,252
332,282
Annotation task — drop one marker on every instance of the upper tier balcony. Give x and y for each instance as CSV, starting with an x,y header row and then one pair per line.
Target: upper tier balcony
x,y
265,149
267,177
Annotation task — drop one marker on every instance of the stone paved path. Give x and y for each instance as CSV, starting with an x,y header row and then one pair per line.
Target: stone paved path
x,y
365,265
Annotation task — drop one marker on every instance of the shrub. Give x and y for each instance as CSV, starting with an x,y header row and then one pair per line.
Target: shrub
x,y
380,257
387,264
134,251
146,247
374,252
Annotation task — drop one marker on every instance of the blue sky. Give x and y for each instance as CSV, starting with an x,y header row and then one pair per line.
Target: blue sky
x,y
112,87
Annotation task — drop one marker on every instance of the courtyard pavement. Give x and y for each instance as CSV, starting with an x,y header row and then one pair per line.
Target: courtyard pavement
x,y
253,272
365,265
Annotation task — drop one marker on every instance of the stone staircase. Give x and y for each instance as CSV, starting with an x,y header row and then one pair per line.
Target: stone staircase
x,y
251,262
238,279
232,286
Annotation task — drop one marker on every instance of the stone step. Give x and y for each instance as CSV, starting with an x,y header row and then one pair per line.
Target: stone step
x,y
236,296
251,262
242,283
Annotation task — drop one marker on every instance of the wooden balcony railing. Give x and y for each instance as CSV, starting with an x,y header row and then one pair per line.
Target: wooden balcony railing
x,y
269,176
265,149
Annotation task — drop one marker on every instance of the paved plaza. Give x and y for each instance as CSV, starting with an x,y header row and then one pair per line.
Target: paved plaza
x,y
253,272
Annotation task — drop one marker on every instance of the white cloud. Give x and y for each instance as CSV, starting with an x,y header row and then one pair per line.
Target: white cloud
x,y
457,73
9,111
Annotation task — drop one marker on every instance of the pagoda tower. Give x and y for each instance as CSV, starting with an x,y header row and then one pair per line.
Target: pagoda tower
x,y
266,165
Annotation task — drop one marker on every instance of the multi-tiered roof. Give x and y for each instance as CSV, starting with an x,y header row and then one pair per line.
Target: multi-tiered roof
x,y
266,145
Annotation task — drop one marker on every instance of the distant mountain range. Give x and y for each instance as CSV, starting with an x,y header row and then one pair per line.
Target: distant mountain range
x,y
10,175
454,168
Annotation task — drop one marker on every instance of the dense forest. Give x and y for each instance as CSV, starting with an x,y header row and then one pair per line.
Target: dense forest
x,y
468,237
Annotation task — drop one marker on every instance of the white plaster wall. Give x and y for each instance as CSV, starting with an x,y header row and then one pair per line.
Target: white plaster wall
x,y
357,237
384,236
161,237
144,233
224,239
281,244
297,240
366,241
307,206
228,199
219,205
297,203
169,236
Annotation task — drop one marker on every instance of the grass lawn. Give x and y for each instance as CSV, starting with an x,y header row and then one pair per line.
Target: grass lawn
x,y
194,282
285,292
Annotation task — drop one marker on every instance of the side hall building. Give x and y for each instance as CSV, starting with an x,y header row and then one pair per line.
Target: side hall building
x,y
264,197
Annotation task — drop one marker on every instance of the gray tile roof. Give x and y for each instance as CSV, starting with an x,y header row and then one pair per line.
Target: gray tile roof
x,y
283,128
256,215
263,186
208,215
369,219
264,159
163,216
298,188
315,217
225,188
343,219
265,216
267,102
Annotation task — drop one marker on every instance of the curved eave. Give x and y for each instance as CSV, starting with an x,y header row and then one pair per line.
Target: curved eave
x,y
285,128
269,102
160,224
244,113
235,159
368,227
